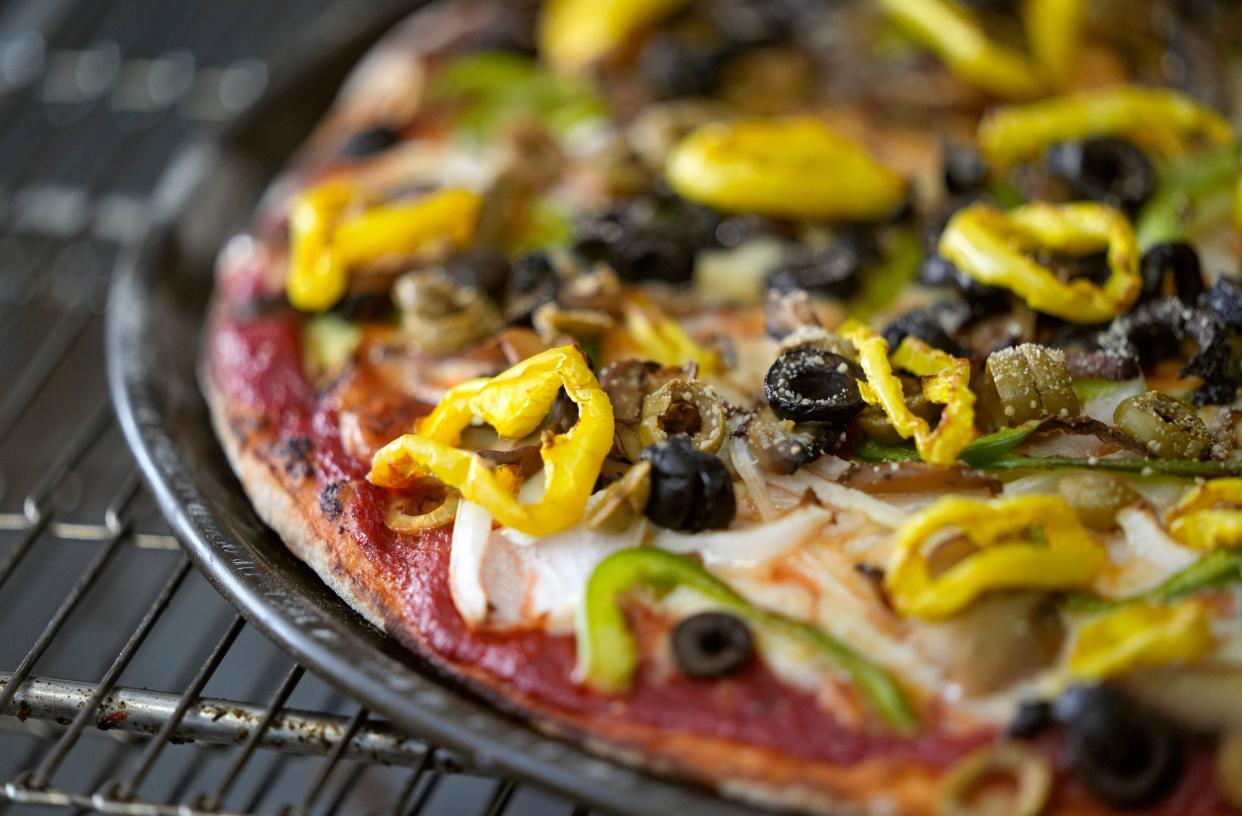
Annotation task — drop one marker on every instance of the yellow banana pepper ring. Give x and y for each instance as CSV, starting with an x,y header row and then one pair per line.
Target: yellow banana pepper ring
x,y
1162,119
324,246
1210,516
991,246
792,167
1140,635
946,381
1054,32
660,338
1029,542
957,38
514,403
575,33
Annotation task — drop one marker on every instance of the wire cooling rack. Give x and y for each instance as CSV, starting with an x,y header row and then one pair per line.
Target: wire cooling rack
x,y
126,684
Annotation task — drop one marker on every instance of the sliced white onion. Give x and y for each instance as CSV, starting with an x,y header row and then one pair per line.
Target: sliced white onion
x,y
1103,406
748,546
1147,538
543,583
841,497
736,274
472,530
747,469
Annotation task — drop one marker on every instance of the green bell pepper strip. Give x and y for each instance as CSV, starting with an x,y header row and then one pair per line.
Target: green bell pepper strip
x,y
980,453
488,89
1193,192
883,283
1214,569
996,455
608,654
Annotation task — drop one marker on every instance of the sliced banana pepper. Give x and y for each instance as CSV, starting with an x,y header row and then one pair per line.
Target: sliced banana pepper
x,y
946,382
514,403
958,39
1210,516
660,338
991,246
575,33
1029,542
1054,32
793,167
324,245
1162,119
1140,635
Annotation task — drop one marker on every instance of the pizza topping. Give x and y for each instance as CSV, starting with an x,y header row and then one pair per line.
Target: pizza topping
x,y
974,785
440,316
425,506
1123,752
926,324
782,446
660,338
1024,383
1140,635
811,385
1168,427
620,504
1172,268
1105,169
965,172
831,272
1229,769
1031,542
690,489
990,246
366,143
573,34
514,403
1210,516
958,39
1158,118
685,408
785,168
608,653
1096,497
712,644
946,382
326,242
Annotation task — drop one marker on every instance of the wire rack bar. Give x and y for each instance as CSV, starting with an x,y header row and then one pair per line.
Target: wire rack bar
x,y
221,722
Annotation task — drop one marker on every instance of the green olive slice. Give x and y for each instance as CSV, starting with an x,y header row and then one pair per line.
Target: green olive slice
x,y
1008,378
1096,497
1052,380
683,407
1169,428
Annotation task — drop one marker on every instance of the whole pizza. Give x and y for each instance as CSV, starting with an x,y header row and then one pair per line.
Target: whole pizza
x,y
835,404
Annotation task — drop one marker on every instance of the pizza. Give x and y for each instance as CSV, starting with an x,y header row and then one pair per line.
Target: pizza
x,y
835,405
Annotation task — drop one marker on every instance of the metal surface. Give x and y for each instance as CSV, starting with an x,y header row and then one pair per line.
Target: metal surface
x,y
156,311
127,685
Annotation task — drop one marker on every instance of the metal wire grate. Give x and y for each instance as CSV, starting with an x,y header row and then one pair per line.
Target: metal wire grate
x,y
126,684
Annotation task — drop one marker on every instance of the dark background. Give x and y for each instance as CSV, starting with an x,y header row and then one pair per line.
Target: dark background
x,y
95,99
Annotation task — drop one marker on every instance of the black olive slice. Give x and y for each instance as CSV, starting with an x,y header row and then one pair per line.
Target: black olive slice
x,y
1105,169
1176,262
690,490
368,142
1126,754
924,324
1031,718
676,66
811,385
712,644
1224,299
965,171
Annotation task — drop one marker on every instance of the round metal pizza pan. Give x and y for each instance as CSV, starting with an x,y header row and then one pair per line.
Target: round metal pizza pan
x,y
155,313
